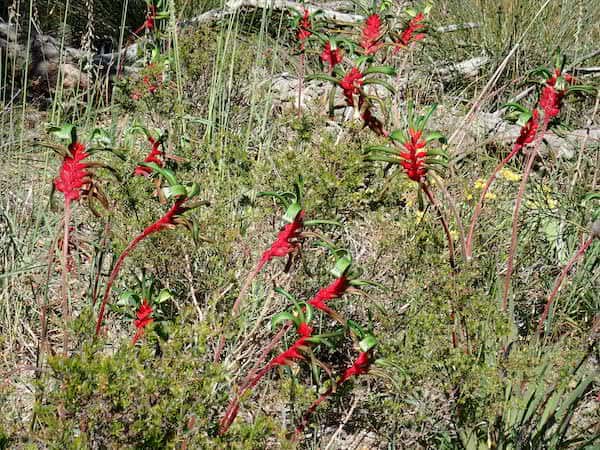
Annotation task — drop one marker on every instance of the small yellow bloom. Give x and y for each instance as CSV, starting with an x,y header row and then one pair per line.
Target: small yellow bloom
x,y
420,215
454,235
490,196
479,183
469,196
509,175
551,202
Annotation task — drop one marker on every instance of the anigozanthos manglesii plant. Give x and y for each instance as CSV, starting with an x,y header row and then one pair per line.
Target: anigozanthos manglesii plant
x,y
346,281
156,156
414,31
360,366
300,316
181,195
144,306
289,238
75,180
556,86
412,152
156,10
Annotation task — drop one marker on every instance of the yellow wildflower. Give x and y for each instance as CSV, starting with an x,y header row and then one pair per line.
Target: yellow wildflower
x,y
509,175
479,183
490,196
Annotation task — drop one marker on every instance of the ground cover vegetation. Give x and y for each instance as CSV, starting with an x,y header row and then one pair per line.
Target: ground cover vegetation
x,y
255,225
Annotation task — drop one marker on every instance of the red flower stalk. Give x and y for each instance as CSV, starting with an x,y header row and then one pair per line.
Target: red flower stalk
x,y
150,21
558,282
304,28
371,33
73,172
168,220
526,136
286,358
153,157
551,97
351,84
360,367
332,57
73,175
408,34
143,319
335,290
286,242
414,160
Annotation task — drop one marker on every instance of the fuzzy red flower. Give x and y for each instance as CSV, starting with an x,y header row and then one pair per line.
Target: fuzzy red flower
x,y
334,290
351,84
408,34
528,131
73,174
286,241
304,28
332,57
360,366
151,85
551,97
153,157
143,319
413,159
293,352
371,33
149,23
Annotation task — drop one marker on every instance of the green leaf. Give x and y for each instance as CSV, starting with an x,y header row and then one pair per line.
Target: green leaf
x,y
66,132
292,212
385,70
178,190
382,158
381,148
341,266
435,136
322,77
283,316
163,296
399,136
367,343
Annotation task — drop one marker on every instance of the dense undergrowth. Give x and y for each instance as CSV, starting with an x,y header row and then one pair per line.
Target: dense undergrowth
x,y
194,170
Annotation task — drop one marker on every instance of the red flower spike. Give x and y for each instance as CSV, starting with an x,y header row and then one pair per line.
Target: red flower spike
x,y
414,160
73,172
149,23
551,98
334,290
143,320
332,57
408,34
371,33
529,130
293,352
153,157
285,242
304,28
351,84
360,367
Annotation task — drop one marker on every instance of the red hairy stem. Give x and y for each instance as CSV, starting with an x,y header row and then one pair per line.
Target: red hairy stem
x,y
558,282
527,136
443,222
165,221
360,366
515,218
65,273
283,359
